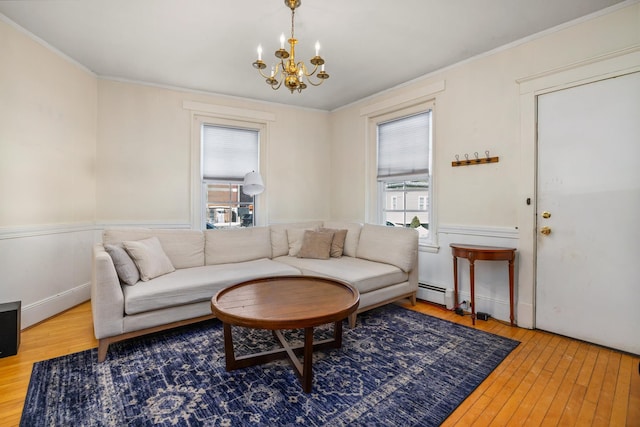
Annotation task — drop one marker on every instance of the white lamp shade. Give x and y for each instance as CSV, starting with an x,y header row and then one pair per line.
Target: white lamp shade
x,y
252,184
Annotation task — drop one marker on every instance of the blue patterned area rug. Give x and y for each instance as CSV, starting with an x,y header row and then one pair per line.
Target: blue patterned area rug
x,y
396,368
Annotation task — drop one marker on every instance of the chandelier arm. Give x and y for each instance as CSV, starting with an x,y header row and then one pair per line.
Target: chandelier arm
x,y
314,84
266,76
278,86
306,72
276,69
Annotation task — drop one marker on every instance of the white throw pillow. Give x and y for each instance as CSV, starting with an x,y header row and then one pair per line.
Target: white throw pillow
x,y
149,257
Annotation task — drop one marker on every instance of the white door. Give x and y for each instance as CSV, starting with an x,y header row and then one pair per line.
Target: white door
x,y
588,267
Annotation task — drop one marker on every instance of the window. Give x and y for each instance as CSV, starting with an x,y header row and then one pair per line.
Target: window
x,y
422,203
403,172
228,153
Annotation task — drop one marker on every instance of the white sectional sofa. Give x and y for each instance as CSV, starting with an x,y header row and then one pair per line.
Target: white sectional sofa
x,y
147,280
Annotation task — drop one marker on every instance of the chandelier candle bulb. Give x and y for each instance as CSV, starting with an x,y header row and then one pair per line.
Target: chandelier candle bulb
x,y
259,52
282,41
317,48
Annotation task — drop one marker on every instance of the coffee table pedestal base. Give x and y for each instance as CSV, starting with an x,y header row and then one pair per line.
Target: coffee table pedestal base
x,y
303,369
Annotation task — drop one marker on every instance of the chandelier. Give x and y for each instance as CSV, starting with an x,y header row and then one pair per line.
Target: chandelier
x,y
288,71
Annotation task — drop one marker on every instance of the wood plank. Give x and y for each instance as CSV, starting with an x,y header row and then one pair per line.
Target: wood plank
x,y
514,406
621,395
604,407
557,369
561,400
633,412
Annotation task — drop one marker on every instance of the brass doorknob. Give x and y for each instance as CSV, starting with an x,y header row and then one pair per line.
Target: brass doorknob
x,y
545,230
546,214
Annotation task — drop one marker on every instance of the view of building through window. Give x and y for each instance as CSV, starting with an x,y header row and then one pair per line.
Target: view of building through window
x,y
407,205
228,206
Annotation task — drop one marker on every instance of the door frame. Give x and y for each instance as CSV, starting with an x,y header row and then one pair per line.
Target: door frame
x,y
602,67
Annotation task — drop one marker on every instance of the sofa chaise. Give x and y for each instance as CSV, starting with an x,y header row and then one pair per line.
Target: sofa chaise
x,y
148,280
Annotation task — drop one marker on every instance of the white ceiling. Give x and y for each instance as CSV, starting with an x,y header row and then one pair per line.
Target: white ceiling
x,y
209,45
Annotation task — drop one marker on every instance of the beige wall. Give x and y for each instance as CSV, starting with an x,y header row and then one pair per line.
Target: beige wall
x,y
47,135
144,150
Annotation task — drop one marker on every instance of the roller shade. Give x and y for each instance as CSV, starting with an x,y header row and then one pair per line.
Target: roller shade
x,y
228,153
403,146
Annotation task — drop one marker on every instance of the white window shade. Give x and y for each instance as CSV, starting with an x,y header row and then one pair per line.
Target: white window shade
x,y
403,146
228,154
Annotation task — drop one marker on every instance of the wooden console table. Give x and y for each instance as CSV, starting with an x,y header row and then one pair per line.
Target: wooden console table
x,y
482,253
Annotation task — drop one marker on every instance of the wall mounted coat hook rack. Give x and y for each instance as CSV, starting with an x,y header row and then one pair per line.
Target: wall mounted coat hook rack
x,y
477,160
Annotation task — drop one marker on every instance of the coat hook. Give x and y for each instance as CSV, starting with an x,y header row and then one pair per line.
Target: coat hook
x,y
486,153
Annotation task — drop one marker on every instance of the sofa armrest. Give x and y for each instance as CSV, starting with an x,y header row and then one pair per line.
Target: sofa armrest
x,y
107,300
390,245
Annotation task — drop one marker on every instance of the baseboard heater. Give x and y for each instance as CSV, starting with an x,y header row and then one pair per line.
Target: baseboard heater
x,y
436,294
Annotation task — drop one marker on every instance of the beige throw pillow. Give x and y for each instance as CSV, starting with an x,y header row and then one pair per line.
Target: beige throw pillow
x,y
294,236
149,257
316,244
337,245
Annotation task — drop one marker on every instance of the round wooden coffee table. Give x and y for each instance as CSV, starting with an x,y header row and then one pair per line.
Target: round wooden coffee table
x,y
288,302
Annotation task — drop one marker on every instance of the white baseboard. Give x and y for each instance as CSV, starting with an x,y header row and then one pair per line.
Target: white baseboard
x,y
524,315
55,304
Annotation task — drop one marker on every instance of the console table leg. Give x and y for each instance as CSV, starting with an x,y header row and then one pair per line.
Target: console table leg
x,y
472,279
455,282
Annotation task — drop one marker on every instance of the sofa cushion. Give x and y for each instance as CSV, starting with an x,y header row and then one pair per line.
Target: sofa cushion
x,y
353,235
125,267
316,244
149,257
365,275
337,244
196,284
279,239
237,245
185,248
391,245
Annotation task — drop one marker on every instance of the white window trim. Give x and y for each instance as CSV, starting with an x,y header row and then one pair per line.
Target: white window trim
x,y
213,117
372,187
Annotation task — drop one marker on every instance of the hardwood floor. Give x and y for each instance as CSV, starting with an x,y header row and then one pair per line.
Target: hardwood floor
x,y
547,380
